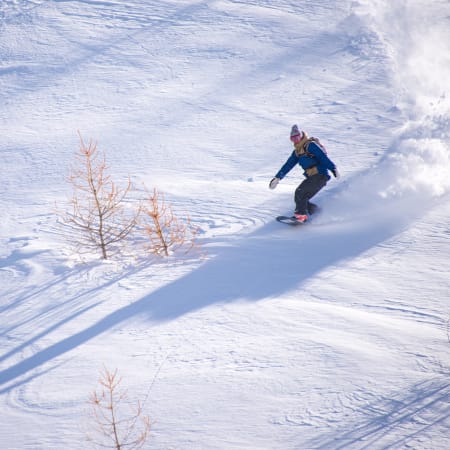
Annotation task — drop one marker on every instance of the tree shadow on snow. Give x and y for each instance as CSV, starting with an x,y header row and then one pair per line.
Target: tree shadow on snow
x,y
271,261
404,422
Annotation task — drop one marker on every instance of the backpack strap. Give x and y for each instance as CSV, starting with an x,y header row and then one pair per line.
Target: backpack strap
x,y
301,149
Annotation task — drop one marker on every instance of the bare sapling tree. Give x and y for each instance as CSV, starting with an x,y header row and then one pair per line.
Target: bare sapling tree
x,y
116,423
164,230
98,218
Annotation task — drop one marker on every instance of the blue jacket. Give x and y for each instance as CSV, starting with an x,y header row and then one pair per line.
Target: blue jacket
x,y
314,157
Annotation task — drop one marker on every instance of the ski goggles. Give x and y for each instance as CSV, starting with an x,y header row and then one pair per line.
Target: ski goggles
x,y
296,138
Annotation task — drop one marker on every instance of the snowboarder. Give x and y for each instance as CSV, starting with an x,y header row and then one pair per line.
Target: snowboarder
x,y
312,157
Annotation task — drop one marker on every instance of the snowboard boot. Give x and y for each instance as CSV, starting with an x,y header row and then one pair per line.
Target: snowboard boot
x,y
300,217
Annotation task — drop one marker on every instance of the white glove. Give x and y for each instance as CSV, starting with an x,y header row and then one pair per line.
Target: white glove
x,y
274,183
336,173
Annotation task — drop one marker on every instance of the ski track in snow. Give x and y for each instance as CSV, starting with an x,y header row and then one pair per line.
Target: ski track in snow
x,y
325,337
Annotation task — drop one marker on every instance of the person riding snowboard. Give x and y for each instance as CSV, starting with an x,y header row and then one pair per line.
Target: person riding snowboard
x,y
312,157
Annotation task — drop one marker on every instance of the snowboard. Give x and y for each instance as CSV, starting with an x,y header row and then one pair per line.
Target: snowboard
x,y
290,220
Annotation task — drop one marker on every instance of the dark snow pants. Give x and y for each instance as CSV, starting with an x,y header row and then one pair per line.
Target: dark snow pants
x,y
307,189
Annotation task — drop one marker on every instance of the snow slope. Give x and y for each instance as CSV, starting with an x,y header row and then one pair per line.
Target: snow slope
x,y
329,336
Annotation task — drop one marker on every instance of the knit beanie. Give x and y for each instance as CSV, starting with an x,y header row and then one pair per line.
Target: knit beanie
x,y
295,132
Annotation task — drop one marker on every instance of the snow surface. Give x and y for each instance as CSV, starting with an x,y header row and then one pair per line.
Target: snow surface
x,y
332,335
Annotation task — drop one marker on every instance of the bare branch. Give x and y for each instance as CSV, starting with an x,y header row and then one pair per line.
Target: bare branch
x,y
164,230
98,217
114,428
